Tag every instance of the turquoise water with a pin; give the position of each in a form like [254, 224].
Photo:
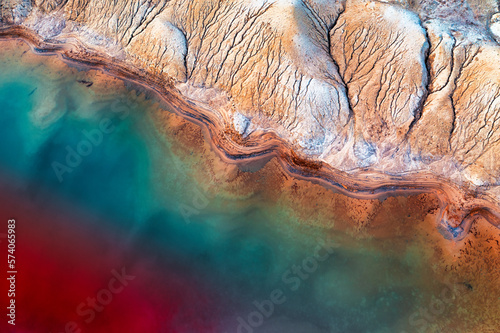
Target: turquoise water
[137, 191]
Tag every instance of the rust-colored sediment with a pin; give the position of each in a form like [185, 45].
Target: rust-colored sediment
[458, 206]
[391, 225]
[469, 268]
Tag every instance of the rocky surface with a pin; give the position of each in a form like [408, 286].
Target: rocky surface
[375, 97]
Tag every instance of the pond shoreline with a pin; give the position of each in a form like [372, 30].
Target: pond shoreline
[460, 206]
